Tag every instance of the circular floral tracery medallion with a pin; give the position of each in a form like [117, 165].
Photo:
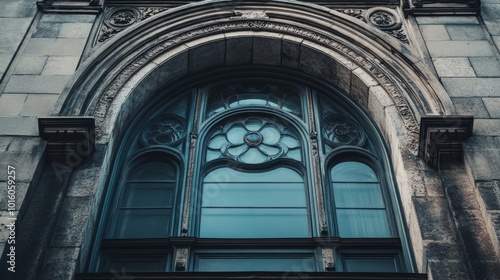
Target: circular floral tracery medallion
[253, 141]
[383, 18]
[165, 130]
[121, 17]
[339, 130]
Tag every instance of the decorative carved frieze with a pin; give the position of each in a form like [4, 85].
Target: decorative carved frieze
[117, 19]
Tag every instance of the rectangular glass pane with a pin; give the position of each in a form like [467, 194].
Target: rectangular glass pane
[223, 176]
[358, 195]
[143, 223]
[254, 195]
[135, 265]
[148, 195]
[373, 264]
[254, 223]
[257, 263]
[357, 223]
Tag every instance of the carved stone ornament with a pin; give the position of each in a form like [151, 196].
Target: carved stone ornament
[385, 80]
[117, 19]
[383, 18]
[166, 130]
[340, 130]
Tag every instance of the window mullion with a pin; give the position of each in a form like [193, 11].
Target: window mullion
[191, 164]
[315, 160]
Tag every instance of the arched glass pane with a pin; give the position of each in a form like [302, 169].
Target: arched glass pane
[153, 170]
[268, 204]
[353, 171]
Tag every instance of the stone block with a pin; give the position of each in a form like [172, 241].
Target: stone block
[486, 269]
[207, 56]
[470, 106]
[446, 270]
[493, 26]
[30, 65]
[435, 219]
[447, 20]
[56, 47]
[11, 104]
[75, 30]
[487, 127]
[475, 236]
[172, 67]
[18, 126]
[62, 18]
[19, 192]
[266, 51]
[460, 48]
[472, 87]
[360, 86]
[459, 191]
[47, 30]
[24, 162]
[490, 193]
[493, 106]
[290, 53]
[15, 25]
[239, 51]
[378, 100]
[466, 32]
[4, 62]
[434, 32]
[486, 66]
[318, 64]
[18, 8]
[83, 182]
[437, 251]
[482, 161]
[39, 104]
[72, 219]
[61, 65]
[453, 67]
[36, 84]
[9, 42]
[433, 183]
[59, 263]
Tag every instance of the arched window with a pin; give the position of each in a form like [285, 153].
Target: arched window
[253, 174]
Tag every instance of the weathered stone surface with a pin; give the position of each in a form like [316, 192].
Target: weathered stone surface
[59, 46]
[486, 127]
[47, 30]
[11, 104]
[39, 104]
[437, 251]
[60, 65]
[36, 84]
[25, 163]
[71, 221]
[173, 68]
[20, 126]
[239, 51]
[83, 182]
[466, 32]
[208, 56]
[19, 191]
[75, 30]
[475, 236]
[17, 8]
[490, 194]
[470, 106]
[67, 18]
[493, 106]
[447, 20]
[30, 65]
[482, 155]
[10, 42]
[60, 263]
[435, 219]
[486, 66]
[459, 48]
[453, 67]
[472, 87]
[434, 32]
[446, 270]
[290, 53]
[4, 62]
[267, 51]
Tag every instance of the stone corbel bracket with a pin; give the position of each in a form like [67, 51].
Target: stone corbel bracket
[442, 136]
[68, 137]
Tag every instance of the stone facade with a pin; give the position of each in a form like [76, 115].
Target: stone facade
[106, 61]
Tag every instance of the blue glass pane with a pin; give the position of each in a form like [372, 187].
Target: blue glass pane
[253, 223]
[254, 195]
[374, 264]
[135, 265]
[149, 223]
[257, 263]
[222, 176]
[148, 195]
[153, 171]
[352, 171]
[357, 195]
[357, 223]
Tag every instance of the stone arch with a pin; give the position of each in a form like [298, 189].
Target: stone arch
[375, 70]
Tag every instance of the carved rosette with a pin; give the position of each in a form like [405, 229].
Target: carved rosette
[117, 19]
[167, 130]
[383, 18]
[340, 130]
[253, 141]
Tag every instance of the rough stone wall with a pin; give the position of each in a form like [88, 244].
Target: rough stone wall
[465, 53]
